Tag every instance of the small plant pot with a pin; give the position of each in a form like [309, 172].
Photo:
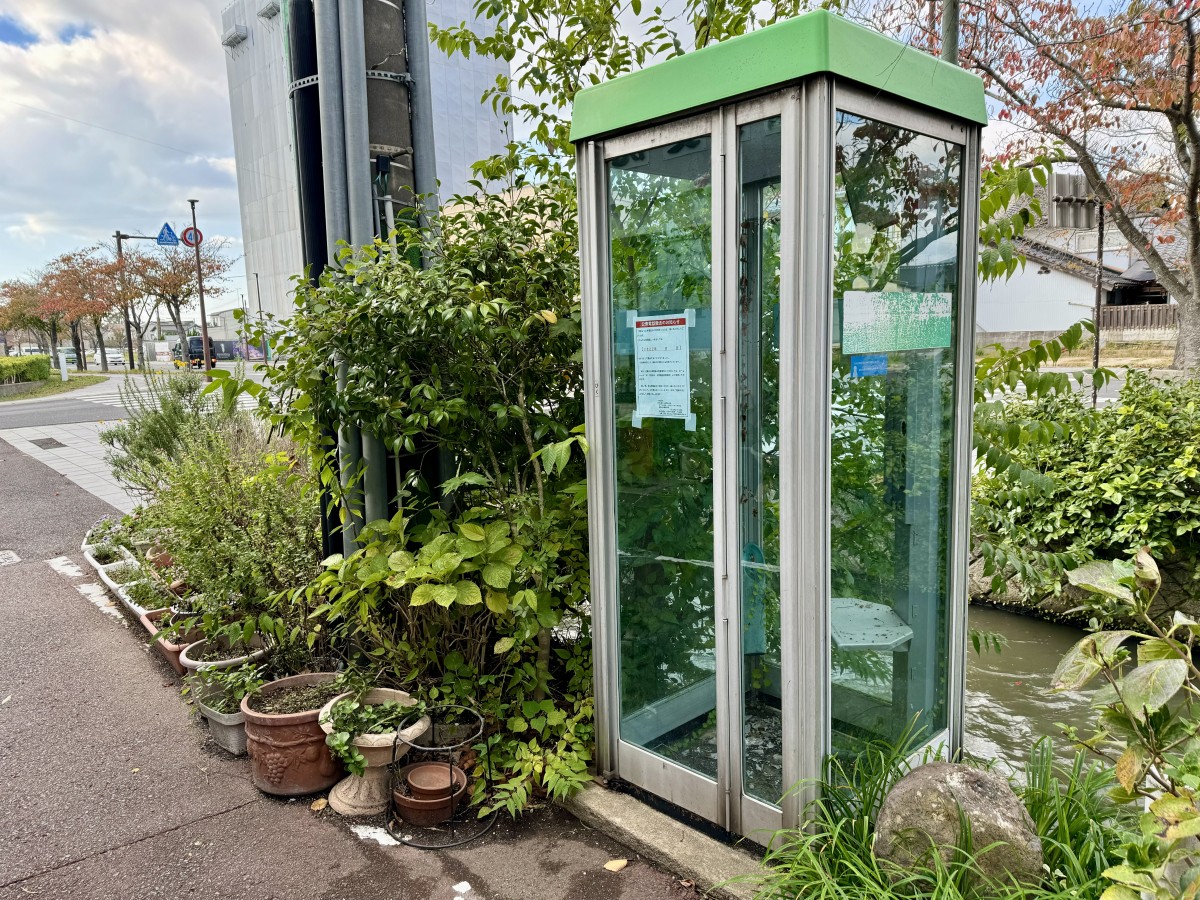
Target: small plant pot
[227, 729]
[424, 811]
[190, 660]
[170, 650]
[288, 754]
[89, 553]
[159, 557]
[367, 794]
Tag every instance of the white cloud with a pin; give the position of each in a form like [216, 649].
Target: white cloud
[113, 118]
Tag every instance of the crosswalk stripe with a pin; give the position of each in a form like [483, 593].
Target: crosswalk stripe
[114, 399]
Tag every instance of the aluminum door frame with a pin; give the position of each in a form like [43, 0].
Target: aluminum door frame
[856, 101]
[687, 789]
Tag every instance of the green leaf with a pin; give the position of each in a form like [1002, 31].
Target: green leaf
[1100, 577]
[445, 594]
[497, 575]
[1125, 875]
[401, 561]
[517, 725]
[503, 645]
[468, 593]
[445, 564]
[422, 595]
[1149, 687]
[497, 601]
[472, 532]
[1161, 648]
[1185, 829]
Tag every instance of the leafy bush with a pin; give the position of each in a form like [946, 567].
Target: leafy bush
[222, 690]
[473, 359]
[161, 414]
[16, 369]
[242, 515]
[1097, 483]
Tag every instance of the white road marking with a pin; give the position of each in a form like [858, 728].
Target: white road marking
[8, 557]
[463, 887]
[375, 833]
[98, 597]
[64, 565]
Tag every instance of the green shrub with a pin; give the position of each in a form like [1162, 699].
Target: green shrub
[242, 518]
[1102, 483]
[162, 410]
[833, 858]
[16, 369]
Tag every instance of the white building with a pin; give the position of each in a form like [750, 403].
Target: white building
[254, 33]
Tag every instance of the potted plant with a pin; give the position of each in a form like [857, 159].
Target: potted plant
[361, 731]
[143, 596]
[170, 640]
[288, 753]
[218, 694]
[222, 652]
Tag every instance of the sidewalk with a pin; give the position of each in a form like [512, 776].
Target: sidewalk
[114, 790]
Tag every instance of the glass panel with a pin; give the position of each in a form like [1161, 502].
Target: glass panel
[758, 455]
[895, 306]
[660, 226]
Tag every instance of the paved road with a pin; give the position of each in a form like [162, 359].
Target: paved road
[112, 790]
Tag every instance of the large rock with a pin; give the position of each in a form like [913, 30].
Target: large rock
[922, 812]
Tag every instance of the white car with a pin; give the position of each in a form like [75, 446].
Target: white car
[115, 356]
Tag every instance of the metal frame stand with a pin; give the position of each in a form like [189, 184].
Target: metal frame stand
[455, 739]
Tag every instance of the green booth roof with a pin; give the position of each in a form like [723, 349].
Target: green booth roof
[779, 54]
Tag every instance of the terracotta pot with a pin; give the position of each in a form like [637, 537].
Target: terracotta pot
[367, 794]
[188, 658]
[288, 754]
[159, 557]
[169, 650]
[425, 812]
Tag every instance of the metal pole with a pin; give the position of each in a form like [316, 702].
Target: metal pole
[337, 227]
[1099, 294]
[354, 117]
[258, 294]
[416, 33]
[200, 291]
[124, 298]
[950, 31]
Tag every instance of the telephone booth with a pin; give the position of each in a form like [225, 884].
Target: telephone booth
[779, 245]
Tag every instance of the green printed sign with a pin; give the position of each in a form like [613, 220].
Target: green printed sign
[887, 321]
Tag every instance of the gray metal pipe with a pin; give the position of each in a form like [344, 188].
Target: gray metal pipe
[333, 130]
[337, 227]
[354, 114]
[416, 31]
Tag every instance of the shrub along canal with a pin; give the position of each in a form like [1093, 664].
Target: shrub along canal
[1009, 701]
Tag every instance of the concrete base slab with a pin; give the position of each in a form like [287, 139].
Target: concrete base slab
[708, 863]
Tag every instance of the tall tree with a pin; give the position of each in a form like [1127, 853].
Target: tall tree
[168, 276]
[21, 310]
[84, 287]
[1113, 89]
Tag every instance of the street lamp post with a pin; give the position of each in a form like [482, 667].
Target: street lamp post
[258, 296]
[200, 291]
[121, 266]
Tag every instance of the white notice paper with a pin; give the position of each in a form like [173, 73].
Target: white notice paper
[662, 369]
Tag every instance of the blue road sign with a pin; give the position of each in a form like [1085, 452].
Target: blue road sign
[166, 237]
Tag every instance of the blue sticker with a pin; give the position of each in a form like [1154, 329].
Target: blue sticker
[872, 364]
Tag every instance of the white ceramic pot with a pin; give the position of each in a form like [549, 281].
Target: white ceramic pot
[227, 729]
[186, 658]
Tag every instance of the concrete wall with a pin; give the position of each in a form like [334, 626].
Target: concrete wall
[1031, 302]
[262, 146]
[258, 79]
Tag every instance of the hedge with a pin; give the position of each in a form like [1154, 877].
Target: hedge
[15, 369]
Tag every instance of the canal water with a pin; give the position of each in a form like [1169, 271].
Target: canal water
[1009, 701]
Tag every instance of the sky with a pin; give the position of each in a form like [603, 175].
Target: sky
[113, 113]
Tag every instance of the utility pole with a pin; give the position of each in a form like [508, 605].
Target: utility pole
[950, 31]
[121, 265]
[1099, 294]
[200, 291]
